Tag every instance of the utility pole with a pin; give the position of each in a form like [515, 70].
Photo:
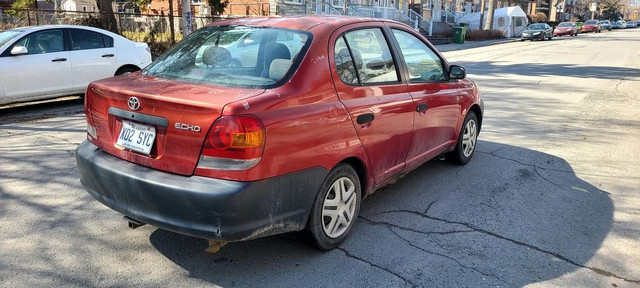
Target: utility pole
[481, 24]
[186, 18]
[492, 8]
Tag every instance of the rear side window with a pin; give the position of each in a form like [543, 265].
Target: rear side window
[84, 39]
[344, 63]
[108, 41]
[370, 58]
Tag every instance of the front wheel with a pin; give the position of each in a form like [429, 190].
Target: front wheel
[335, 209]
[466, 141]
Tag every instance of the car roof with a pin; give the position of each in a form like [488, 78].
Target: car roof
[302, 22]
[44, 27]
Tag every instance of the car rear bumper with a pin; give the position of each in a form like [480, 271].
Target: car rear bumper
[199, 206]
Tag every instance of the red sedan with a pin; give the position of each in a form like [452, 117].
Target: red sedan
[254, 127]
[566, 28]
[591, 26]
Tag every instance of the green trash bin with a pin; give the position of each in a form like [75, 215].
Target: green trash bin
[458, 34]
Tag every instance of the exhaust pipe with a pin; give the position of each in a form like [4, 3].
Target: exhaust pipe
[133, 223]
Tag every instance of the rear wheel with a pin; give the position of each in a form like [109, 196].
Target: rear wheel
[467, 139]
[335, 209]
[126, 69]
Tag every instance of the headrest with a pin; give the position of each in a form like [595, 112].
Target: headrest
[216, 56]
[279, 68]
[343, 58]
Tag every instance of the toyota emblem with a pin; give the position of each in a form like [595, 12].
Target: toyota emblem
[134, 103]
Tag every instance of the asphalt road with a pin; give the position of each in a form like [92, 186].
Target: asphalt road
[550, 199]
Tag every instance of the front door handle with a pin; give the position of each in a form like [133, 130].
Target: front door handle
[107, 55]
[364, 118]
[59, 60]
[422, 107]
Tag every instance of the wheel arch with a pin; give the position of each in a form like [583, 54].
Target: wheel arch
[475, 108]
[361, 170]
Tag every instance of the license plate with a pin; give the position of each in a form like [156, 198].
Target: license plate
[137, 137]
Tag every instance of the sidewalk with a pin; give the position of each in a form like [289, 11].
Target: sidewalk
[473, 44]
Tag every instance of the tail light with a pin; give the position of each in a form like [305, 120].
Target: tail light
[233, 143]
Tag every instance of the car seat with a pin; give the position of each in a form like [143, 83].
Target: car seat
[274, 51]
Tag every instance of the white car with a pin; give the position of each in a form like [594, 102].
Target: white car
[57, 60]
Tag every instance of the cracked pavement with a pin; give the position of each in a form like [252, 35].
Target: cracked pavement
[550, 199]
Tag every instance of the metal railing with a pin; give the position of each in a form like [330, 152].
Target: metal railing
[323, 8]
[420, 22]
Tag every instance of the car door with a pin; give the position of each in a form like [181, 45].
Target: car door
[44, 71]
[368, 83]
[436, 99]
[93, 57]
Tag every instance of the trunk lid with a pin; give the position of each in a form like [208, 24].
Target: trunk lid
[180, 113]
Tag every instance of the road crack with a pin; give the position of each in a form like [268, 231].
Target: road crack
[448, 257]
[349, 255]
[516, 242]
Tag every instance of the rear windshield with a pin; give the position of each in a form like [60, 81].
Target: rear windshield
[248, 57]
[565, 25]
[591, 22]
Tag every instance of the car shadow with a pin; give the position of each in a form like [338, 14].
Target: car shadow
[512, 216]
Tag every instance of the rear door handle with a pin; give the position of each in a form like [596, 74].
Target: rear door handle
[59, 60]
[365, 118]
[107, 55]
[422, 107]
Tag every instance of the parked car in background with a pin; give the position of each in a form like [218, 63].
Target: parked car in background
[50, 61]
[537, 31]
[591, 26]
[292, 142]
[605, 24]
[619, 25]
[566, 28]
[632, 24]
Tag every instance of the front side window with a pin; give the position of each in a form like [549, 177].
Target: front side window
[84, 39]
[370, 56]
[250, 57]
[423, 64]
[43, 42]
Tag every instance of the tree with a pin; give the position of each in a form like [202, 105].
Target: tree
[217, 6]
[492, 8]
[107, 17]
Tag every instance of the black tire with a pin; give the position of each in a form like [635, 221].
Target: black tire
[551, 37]
[126, 69]
[315, 230]
[543, 37]
[458, 155]
[235, 63]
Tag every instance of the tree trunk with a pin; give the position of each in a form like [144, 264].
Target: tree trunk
[171, 28]
[107, 16]
[482, 12]
[492, 8]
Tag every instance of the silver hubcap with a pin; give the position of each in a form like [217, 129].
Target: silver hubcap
[339, 207]
[469, 138]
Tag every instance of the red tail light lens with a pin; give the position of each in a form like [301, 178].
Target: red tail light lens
[233, 143]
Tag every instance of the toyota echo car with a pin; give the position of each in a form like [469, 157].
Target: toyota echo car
[292, 138]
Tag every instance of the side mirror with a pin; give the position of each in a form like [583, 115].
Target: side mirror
[457, 72]
[19, 50]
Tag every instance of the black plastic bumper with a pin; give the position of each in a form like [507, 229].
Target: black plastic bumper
[200, 206]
